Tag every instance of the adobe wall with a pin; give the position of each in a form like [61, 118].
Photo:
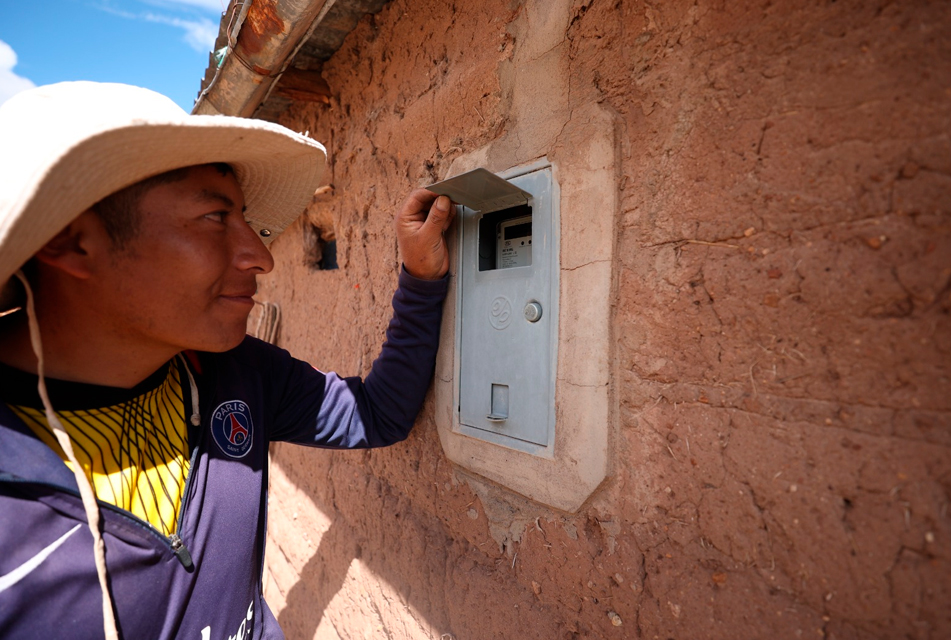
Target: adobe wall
[781, 424]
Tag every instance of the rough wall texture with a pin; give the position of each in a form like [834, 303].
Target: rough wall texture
[781, 459]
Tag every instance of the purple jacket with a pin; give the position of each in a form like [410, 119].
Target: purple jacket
[207, 585]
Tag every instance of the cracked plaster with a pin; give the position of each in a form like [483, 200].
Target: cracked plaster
[780, 466]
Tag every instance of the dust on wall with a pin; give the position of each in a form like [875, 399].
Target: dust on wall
[781, 461]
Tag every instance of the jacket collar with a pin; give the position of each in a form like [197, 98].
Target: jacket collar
[23, 456]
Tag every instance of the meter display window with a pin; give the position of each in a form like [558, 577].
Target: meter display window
[505, 239]
[514, 243]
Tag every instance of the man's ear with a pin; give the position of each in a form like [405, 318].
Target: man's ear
[75, 249]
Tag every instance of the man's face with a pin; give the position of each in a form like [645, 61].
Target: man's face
[186, 279]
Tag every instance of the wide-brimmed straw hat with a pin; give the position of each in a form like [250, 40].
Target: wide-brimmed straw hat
[64, 147]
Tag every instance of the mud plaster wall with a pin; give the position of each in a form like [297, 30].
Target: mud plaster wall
[781, 453]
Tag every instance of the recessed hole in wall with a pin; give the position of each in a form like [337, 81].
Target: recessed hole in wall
[320, 246]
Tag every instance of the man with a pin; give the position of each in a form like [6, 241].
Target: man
[131, 235]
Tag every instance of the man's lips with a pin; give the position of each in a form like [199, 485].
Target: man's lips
[244, 297]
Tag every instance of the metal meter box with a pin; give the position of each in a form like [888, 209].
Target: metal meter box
[507, 314]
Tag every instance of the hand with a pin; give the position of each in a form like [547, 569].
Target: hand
[421, 237]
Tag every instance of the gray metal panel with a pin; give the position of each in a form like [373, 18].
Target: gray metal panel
[481, 190]
[498, 345]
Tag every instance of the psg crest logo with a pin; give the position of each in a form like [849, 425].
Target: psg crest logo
[231, 428]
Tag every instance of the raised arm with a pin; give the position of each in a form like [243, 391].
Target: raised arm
[326, 410]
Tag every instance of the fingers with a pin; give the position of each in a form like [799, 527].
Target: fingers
[426, 213]
[416, 205]
[422, 221]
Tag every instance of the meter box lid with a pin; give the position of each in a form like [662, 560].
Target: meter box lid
[481, 190]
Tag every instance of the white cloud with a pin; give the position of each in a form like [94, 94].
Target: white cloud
[200, 34]
[10, 83]
[208, 5]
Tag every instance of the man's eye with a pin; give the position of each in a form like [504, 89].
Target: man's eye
[217, 216]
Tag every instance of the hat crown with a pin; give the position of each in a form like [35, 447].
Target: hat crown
[86, 101]
[45, 122]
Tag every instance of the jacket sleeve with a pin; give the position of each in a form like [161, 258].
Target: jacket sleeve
[324, 410]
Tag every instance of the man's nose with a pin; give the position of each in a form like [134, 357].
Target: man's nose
[250, 252]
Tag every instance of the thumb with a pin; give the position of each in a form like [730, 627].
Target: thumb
[439, 216]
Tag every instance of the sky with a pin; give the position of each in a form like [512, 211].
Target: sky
[159, 44]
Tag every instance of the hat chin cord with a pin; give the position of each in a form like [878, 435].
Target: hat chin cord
[85, 488]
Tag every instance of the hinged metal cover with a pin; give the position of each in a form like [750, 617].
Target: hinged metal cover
[481, 190]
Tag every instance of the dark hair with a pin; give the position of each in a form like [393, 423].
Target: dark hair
[120, 213]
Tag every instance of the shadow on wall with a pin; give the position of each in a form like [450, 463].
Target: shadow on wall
[319, 581]
[384, 561]
[378, 539]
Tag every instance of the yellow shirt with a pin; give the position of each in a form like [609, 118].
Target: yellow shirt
[135, 453]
